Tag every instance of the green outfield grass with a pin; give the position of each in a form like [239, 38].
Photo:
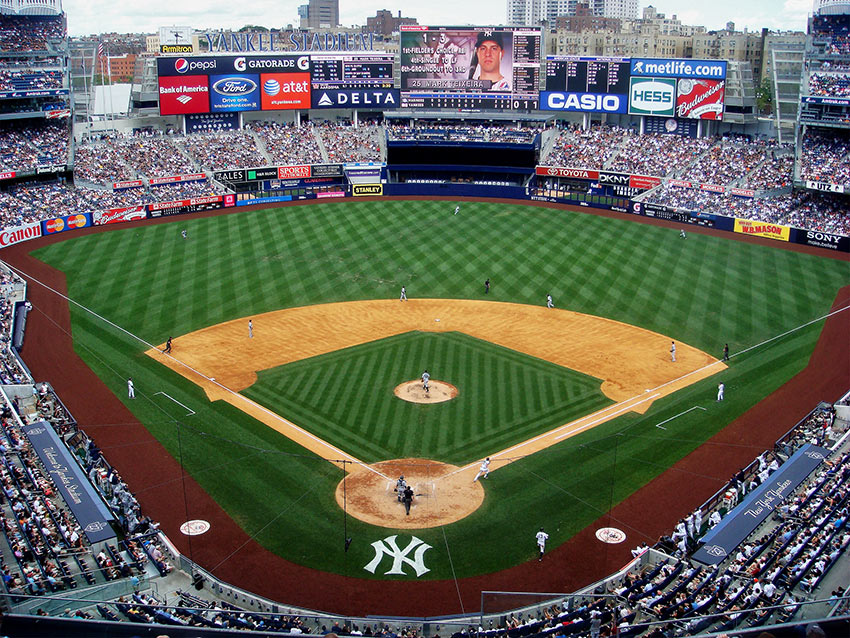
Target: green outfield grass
[505, 397]
[704, 291]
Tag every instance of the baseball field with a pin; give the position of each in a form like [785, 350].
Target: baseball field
[247, 416]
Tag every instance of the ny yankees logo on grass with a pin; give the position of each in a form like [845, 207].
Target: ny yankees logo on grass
[389, 547]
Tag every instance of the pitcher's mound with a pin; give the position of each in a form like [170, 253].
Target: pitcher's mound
[441, 494]
[438, 391]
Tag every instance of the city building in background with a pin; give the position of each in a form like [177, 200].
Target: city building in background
[319, 14]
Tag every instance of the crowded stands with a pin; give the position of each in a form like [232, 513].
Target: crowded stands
[29, 33]
[824, 157]
[288, 144]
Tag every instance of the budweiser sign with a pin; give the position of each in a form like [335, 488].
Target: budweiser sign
[115, 215]
[700, 99]
[576, 173]
[10, 236]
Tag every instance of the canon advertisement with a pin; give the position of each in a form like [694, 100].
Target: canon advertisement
[229, 84]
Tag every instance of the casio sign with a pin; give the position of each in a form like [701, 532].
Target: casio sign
[651, 96]
[589, 102]
[234, 86]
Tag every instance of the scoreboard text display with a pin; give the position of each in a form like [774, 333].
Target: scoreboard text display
[221, 84]
[685, 89]
[595, 85]
[353, 80]
[494, 68]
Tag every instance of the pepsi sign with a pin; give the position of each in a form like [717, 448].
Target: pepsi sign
[583, 102]
[234, 93]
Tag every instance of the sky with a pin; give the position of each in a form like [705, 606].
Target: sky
[87, 17]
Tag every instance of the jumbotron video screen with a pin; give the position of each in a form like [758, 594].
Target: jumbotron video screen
[470, 68]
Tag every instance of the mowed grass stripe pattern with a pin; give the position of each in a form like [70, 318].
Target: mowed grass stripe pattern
[347, 397]
[704, 290]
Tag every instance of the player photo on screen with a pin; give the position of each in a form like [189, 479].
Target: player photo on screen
[457, 60]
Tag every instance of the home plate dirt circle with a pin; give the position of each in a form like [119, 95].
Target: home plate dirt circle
[438, 391]
[442, 494]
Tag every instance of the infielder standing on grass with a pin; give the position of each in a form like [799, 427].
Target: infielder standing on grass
[721, 388]
[457, 209]
[549, 302]
[673, 351]
[403, 296]
[542, 537]
[484, 469]
[131, 389]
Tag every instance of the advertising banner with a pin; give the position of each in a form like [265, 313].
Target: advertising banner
[835, 101]
[713, 188]
[228, 200]
[180, 206]
[575, 173]
[290, 172]
[762, 229]
[130, 183]
[184, 94]
[362, 190]
[227, 64]
[825, 187]
[644, 182]
[330, 194]
[680, 183]
[204, 122]
[652, 96]
[234, 176]
[583, 102]
[742, 192]
[700, 99]
[173, 179]
[676, 68]
[7, 174]
[326, 170]
[69, 222]
[116, 215]
[10, 236]
[821, 239]
[365, 98]
[282, 91]
[234, 93]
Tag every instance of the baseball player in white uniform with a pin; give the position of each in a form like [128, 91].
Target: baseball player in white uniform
[721, 388]
[457, 209]
[426, 376]
[403, 296]
[250, 328]
[549, 302]
[484, 469]
[131, 389]
[400, 484]
[542, 537]
[673, 351]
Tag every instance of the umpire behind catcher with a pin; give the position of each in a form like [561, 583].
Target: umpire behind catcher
[407, 499]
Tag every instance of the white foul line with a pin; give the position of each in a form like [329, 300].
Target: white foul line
[191, 411]
[696, 407]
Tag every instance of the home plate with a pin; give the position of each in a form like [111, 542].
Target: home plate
[436, 319]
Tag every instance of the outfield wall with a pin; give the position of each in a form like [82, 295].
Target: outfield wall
[769, 230]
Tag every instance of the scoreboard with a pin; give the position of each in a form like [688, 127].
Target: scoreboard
[351, 71]
[470, 68]
[588, 75]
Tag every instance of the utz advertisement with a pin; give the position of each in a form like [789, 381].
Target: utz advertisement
[762, 229]
[234, 93]
[700, 99]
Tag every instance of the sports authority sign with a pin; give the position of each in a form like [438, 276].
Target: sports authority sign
[700, 99]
